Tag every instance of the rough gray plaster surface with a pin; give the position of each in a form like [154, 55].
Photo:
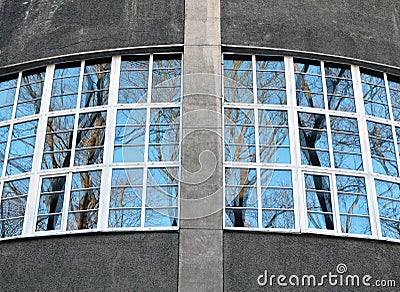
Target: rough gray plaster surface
[367, 30]
[247, 255]
[136, 261]
[34, 29]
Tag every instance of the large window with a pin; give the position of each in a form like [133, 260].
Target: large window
[310, 146]
[91, 145]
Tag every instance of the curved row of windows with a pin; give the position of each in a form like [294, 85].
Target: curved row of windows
[91, 145]
[311, 146]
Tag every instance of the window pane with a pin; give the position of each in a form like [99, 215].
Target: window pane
[166, 85]
[375, 100]
[65, 87]
[238, 81]
[382, 148]
[309, 84]
[90, 138]
[130, 135]
[22, 147]
[389, 207]
[394, 91]
[319, 204]
[346, 143]
[8, 87]
[13, 202]
[51, 204]
[96, 81]
[241, 192]
[313, 139]
[30, 93]
[58, 143]
[164, 134]
[126, 198]
[274, 136]
[84, 200]
[339, 86]
[271, 81]
[133, 82]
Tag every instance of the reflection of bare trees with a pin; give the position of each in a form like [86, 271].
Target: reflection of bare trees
[89, 142]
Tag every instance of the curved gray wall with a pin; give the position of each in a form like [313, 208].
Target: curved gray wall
[247, 255]
[39, 29]
[367, 30]
[135, 261]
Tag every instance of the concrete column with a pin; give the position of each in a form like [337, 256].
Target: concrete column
[200, 244]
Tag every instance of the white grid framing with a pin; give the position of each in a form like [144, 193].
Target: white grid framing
[37, 174]
[298, 169]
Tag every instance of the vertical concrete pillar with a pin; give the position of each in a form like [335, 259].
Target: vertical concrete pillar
[200, 244]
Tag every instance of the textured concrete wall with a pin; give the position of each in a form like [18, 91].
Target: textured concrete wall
[368, 30]
[94, 262]
[247, 255]
[34, 29]
[200, 239]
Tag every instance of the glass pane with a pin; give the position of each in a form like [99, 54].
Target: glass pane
[30, 93]
[51, 202]
[22, 147]
[319, 203]
[133, 80]
[313, 137]
[13, 202]
[124, 218]
[161, 217]
[271, 82]
[390, 229]
[8, 87]
[85, 195]
[346, 143]
[58, 142]
[339, 86]
[166, 79]
[96, 81]
[238, 81]
[90, 138]
[382, 148]
[394, 91]
[240, 176]
[309, 84]
[241, 218]
[375, 100]
[278, 219]
[240, 196]
[65, 87]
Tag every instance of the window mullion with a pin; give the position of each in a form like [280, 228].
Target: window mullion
[34, 183]
[105, 190]
[295, 152]
[366, 153]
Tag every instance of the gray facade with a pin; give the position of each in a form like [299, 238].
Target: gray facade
[201, 255]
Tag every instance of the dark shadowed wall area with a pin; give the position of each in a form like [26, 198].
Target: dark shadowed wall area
[248, 255]
[367, 30]
[31, 30]
[95, 262]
